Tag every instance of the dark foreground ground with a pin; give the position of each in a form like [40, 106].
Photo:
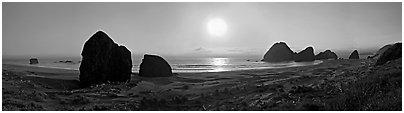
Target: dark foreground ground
[332, 85]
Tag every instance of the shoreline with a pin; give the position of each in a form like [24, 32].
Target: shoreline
[136, 72]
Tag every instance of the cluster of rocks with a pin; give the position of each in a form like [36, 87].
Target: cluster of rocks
[105, 61]
[67, 61]
[280, 52]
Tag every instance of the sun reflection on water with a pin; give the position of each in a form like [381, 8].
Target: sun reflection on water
[219, 64]
[220, 61]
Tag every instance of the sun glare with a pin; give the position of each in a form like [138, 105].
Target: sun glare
[217, 27]
[220, 61]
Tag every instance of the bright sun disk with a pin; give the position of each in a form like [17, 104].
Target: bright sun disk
[217, 27]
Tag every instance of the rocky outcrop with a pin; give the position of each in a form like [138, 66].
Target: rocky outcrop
[154, 66]
[391, 53]
[103, 60]
[327, 54]
[279, 52]
[305, 55]
[380, 52]
[33, 61]
[354, 55]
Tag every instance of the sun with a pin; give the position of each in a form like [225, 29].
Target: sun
[217, 27]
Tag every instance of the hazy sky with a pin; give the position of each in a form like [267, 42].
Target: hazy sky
[181, 28]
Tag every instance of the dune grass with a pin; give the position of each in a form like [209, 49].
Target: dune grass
[380, 90]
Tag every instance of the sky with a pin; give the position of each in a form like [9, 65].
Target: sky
[181, 29]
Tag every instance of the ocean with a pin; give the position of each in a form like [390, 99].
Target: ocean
[178, 65]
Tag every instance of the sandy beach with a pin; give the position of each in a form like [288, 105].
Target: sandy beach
[294, 88]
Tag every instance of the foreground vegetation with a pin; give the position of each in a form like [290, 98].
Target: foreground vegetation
[379, 90]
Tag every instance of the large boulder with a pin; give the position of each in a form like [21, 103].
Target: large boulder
[154, 66]
[279, 52]
[33, 61]
[305, 55]
[327, 54]
[354, 55]
[103, 60]
[391, 53]
[380, 52]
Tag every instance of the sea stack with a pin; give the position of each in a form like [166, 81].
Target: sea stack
[327, 54]
[154, 66]
[103, 60]
[305, 55]
[354, 55]
[33, 61]
[391, 53]
[279, 52]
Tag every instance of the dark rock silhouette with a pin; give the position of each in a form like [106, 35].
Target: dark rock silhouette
[305, 55]
[33, 61]
[391, 53]
[154, 66]
[380, 51]
[354, 55]
[103, 60]
[65, 61]
[279, 52]
[327, 54]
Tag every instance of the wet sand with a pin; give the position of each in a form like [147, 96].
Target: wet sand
[36, 88]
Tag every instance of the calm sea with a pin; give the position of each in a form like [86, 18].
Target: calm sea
[179, 65]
